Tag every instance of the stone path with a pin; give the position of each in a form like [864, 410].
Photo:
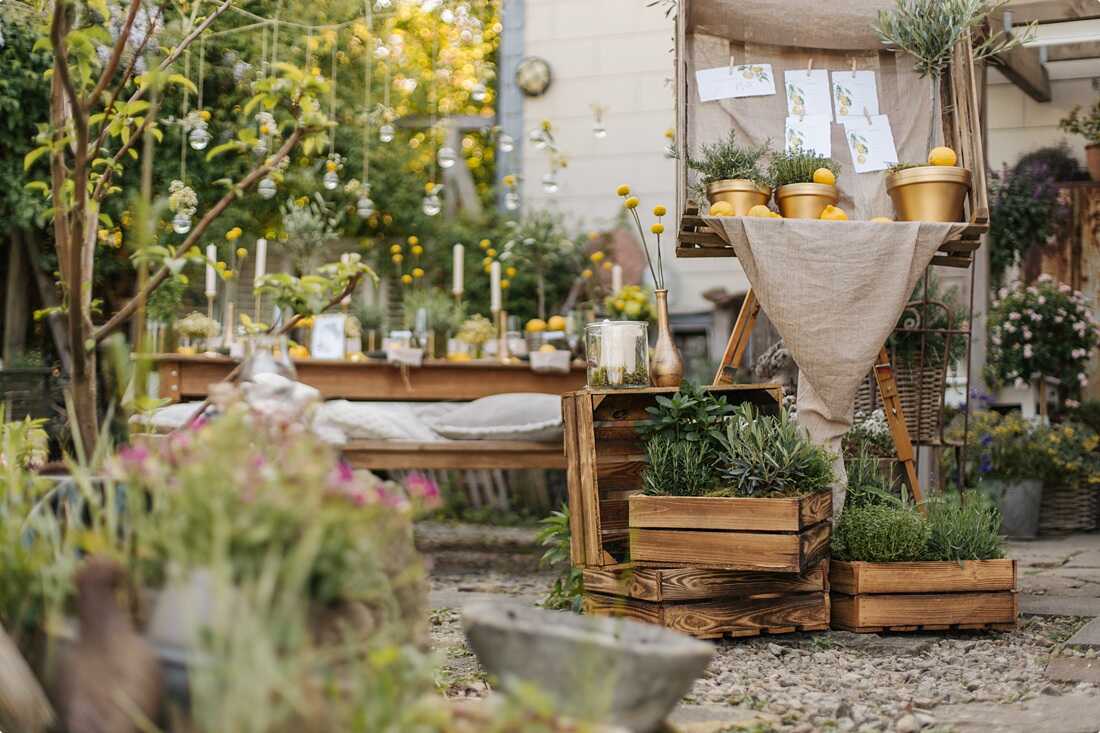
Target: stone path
[1044, 677]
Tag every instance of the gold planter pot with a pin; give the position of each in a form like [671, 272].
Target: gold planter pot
[740, 193]
[929, 192]
[805, 200]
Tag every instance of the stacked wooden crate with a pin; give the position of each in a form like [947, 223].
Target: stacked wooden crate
[709, 567]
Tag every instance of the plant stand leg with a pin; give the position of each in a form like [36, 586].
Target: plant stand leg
[739, 339]
[895, 418]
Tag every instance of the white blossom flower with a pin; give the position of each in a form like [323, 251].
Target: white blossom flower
[1028, 353]
[1014, 316]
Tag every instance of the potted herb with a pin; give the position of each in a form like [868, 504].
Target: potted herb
[805, 183]
[753, 494]
[431, 315]
[1086, 125]
[730, 173]
[933, 192]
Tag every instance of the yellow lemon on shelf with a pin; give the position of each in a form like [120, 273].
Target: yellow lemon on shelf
[883, 220]
[721, 208]
[775, 215]
[555, 323]
[834, 213]
[547, 348]
[760, 210]
[942, 156]
[299, 352]
[459, 356]
[186, 350]
[536, 325]
[825, 177]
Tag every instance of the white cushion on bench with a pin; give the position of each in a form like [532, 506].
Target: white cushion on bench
[515, 416]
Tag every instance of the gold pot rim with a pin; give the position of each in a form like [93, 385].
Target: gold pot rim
[928, 174]
[745, 185]
[807, 189]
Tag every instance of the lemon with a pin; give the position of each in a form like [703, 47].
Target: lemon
[547, 349]
[760, 210]
[942, 156]
[775, 215]
[825, 176]
[536, 325]
[833, 213]
[883, 220]
[299, 352]
[186, 350]
[555, 323]
[721, 208]
[459, 356]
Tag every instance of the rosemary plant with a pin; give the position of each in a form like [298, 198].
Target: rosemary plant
[727, 160]
[798, 166]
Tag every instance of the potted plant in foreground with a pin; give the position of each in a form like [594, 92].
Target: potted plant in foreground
[731, 177]
[1086, 125]
[805, 183]
[933, 192]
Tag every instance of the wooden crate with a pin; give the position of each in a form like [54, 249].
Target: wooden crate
[605, 457]
[712, 603]
[928, 596]
[784, 535]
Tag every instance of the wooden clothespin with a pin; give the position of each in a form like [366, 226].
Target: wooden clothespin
[853, 66]
[809, 66]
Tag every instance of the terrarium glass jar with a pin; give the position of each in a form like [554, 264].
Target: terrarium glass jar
[617, 354]
[267, 355]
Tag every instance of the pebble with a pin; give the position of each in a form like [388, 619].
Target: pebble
[907, 724]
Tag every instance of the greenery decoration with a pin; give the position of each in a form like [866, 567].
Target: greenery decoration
[1041, 330]
[880, 533]
[797, 166]
[692, 414]
[554, 535]
[726, 159]
[898, 167]
[476, 331]
[310, 294]
[1025, 208]
[963, 527]
[678, 467]
[1085, 124]
[867, 485]
[443, 313]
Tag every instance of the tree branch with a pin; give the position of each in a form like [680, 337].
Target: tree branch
[116, 55]
[125, 312]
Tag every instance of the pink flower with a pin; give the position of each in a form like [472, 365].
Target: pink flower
[1041, 300]
[1013, 316]
[1027, 351]
[1063, 288]
[1072, 403]
[1082, 379]
[423, 488]
[1044, 278]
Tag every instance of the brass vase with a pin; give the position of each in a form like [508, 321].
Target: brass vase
[929, 192]
[667, 366]
[805, 200]
[740, 193]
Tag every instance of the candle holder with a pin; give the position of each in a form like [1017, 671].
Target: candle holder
[617, 353]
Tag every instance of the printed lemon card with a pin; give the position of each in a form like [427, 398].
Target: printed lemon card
[871, 143]
[807, 92]
[725, 82]
[854, 94]
[810, 133]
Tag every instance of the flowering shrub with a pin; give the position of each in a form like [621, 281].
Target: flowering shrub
[871, 432]
[1042, 330]
[1071, 451]
[1000, 447]
[631, 303]
[1025, 206]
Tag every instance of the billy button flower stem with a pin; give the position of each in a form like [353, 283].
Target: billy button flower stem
[631, 204]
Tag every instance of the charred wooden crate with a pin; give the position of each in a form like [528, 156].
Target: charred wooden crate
[781, 535]
[928, 596]
[606, 456]
[712, 603]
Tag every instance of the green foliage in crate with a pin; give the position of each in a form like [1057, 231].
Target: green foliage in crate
[687, 465]
[880, 533]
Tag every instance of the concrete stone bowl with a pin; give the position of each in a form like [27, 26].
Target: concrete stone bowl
[615, 672]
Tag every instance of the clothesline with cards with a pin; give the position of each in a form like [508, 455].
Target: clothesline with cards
[816, 98]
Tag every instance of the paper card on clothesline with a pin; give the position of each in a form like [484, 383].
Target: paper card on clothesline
[807, 92]
[871, 143]
[725, 82]
[854, 94]
[812, 133]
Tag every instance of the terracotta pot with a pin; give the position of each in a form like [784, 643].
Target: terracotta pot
[1092, 155]
[667, 366]
[805, 200]
[740, 193]
[929, 192]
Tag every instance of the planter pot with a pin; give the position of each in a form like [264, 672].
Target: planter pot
[869, 597]
[740, 193]
[1068, 508]
[1092, 157]
[805, 200]
[929, 192]
[1018, 501]
[611, 671]
[781, 535]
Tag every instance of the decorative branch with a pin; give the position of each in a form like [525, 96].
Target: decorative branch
[116, 55]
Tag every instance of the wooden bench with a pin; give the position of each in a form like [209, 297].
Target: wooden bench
[453, 454]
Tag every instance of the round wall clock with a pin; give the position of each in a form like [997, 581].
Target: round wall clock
[533, 76]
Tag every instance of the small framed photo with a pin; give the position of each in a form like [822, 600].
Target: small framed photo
[327, 339]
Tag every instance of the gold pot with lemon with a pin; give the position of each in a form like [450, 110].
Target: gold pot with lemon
[740, 193]
[933, 192]
[808, 200]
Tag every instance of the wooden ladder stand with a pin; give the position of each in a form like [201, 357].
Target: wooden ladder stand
[884, 377]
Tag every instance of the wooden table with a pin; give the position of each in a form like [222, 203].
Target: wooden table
[188, 377]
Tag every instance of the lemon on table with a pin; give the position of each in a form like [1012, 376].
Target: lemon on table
[775, 215]
[883, 220]
[555, 323]
[834, 213]
[721, 208]
[186, 350]
[536, 325]
[761, 211]
[942, 156]
[825, 177]
[547, 348]
[299, 352]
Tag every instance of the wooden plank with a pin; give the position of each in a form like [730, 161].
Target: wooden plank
[630, 582]
[770, 612]
[720, 513]
[928, 610]
[695, 584]
[1022, 67]
[169, 380]
[573, 480]
[456, 454]
[923, 577]
[613, 514]
[619, 451]
[768, 552]
[815, 508]
[620, 476]
[586, 449]
[616, 607]
[815, 543]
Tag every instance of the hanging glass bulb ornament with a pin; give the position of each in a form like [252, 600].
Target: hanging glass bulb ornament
[507, 144]
[386, 132]
[381, 52]
[446, 157]
[431, 205]
[447, 16]
[199, 137]
[478, 92]
[511, 200]
[364, 207]
[181, 223]
[266, 187]
[599, 130]
[550, 183]
[382, 4]
[260, 148]
[538, 137]
[331, 180]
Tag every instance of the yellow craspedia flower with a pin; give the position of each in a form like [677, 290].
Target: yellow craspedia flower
[491, 252]
[608, 265]
[417, 249]
[395, 249]
[397, 259]
[103, 234]
[670, 133]
[229, 274]
[487, 268]
[116, 238]
[204, 115]
[127, 218]
[510, 271]
[597, 256]
[219, 266]
[387, 219]
[418, 272]
[659, 210]
[270, 234]
[509, 181]
[546, 125]
[429, 187]
[631, 203]
[623, 190]
[657, 228]
[316, 70]
[505, 284]
[406, 279]
[242, 252]
[586, 273]
[330, 166]
[486, 262]
[234, 233]
[484, 244]
[302, 200]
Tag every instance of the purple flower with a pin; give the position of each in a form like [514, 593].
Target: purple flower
[986, 463]
[986, 439]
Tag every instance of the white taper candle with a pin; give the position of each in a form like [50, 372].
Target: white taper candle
[211, 273]
[459, 255]
[616, 278]
[494, 290]
[261, 259]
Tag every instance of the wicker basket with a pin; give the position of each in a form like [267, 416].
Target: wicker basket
[921, 390]
[1068, 508]
[28, 392]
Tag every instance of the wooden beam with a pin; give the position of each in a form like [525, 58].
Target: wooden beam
[1021, 66]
